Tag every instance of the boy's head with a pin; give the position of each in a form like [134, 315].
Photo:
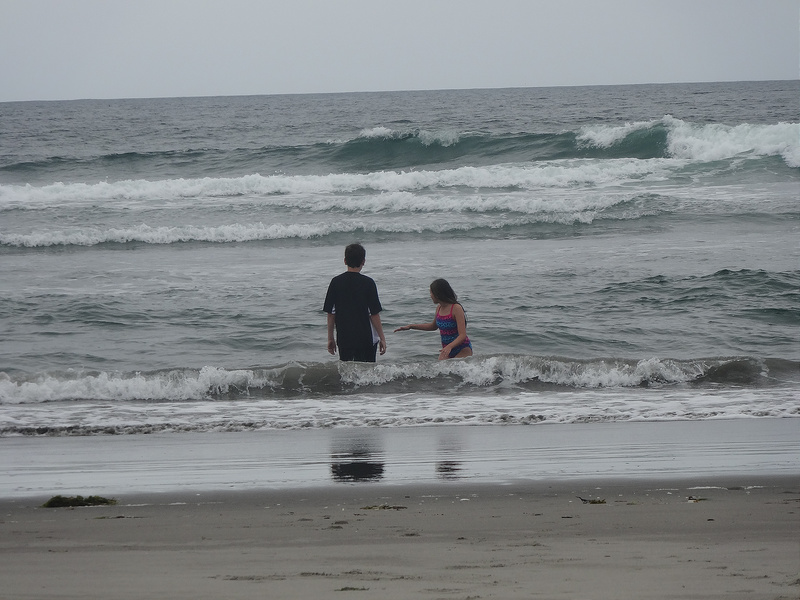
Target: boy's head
[354, 256]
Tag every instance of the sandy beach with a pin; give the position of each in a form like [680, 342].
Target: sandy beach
[694, 510]
[700, 539]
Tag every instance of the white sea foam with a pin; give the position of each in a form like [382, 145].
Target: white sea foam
[405, 202]
[443, 138]
[717, 142]
[377, 132]
[605, 136]
[178, 193]
[397, 410]
[707, 142]
[326, 215]
[426, 137]
[170, 235]
[520, 369]
[188, 384]
[523, 389]
[237, 233]
[116, 387]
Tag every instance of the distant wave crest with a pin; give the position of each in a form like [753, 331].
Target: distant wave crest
[368, 214]
[386, 148]
[171, 235]
[426, 137]
[494, 177]
[706, 142]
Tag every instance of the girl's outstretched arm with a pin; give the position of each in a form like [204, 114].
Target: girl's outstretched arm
[420, 326]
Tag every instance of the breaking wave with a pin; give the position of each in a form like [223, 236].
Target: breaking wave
[523, 390]
[383, 148]
[334, 378]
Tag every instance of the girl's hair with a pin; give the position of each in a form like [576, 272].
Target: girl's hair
[442, 291]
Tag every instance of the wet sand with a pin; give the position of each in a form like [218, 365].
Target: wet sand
[735, 537]
[676, 510]
[285, 459]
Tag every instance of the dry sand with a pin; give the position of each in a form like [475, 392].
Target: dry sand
[736, 537]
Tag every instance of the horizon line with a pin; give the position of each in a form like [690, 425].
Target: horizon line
[393, 91]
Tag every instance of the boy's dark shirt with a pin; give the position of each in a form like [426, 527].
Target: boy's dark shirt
[352, 298]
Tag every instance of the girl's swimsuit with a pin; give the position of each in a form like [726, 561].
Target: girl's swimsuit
[449, 329]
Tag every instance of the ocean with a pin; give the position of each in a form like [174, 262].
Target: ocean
[623, 253]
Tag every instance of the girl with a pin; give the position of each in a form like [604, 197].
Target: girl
[450, 320]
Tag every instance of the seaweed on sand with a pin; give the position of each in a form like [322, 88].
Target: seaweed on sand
[71, 501]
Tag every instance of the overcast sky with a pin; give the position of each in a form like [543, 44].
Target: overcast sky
[66, 49]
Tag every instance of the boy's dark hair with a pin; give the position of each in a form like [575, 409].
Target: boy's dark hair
[354, 255]
[442, 291]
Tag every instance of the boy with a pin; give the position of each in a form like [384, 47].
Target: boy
[353, 309]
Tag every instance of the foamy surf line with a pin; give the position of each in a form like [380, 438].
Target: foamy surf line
[334, 378]
[390, 411]
[238, 233]
[304, 191]
[418, 455]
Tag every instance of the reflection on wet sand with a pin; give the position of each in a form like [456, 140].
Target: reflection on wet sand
[448, 469]
[448, 451]
[356, 471]
[356, 459]
[360, 458]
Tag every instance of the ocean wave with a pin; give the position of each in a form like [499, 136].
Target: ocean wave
[296, 380]
[666, 137]
[232, 233]
[554, 372]
[382, 214]
[185, 192]
[178, 384]
[601, 155]
[700, 142]
[389, 149]
[368, 411]
[261, 232]
[502, 389]
[426, 137]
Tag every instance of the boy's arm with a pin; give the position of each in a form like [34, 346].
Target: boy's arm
[331, 337]
[376, 323]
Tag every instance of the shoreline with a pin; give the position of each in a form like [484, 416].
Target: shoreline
[704, 538]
